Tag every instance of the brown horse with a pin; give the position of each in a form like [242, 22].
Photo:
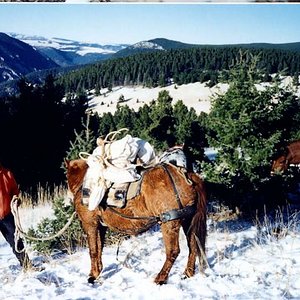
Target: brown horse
[167, 197]
[286, 156]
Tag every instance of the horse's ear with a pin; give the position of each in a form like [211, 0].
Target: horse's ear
[67, 162]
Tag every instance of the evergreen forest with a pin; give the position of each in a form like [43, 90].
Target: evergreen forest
[180, 66]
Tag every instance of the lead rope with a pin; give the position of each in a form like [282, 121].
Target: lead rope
[19, 232]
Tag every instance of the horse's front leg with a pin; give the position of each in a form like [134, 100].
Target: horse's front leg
[95, 238]
[170, 232]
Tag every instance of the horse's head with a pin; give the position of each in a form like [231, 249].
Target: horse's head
[76, 170]
[280, 161]
[279, 165]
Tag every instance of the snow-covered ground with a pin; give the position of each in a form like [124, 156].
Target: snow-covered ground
[196, 95]
[244, 263]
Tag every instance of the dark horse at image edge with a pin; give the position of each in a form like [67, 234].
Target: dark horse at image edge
[286, 156]
[164, 192]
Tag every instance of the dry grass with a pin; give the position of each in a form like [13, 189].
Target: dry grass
[45, 195]
[277, 227]
[222, 213]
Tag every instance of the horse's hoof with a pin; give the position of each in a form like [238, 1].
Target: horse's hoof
[160, 281]
[187, 274]
[91, 279]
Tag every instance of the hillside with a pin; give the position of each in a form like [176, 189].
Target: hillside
[161, 44]
[194, 95]
[18, 59]
[179, 66]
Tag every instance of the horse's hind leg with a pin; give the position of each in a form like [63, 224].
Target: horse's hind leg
[191, 242]
[170, 232]
[195, 231]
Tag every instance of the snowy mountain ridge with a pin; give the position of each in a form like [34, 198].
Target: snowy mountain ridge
[18, 59]
[81, 48]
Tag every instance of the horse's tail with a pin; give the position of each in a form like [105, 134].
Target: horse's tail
[198, 225]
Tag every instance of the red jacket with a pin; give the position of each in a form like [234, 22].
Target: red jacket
[8, 188]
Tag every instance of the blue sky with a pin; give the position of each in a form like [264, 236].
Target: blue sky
[130, 23]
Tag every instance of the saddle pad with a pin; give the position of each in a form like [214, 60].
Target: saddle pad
[134, 189]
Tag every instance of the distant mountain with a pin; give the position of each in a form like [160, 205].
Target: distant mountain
[69, 52]
[161, 44]
[18, 59]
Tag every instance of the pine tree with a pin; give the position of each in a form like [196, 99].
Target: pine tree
[85, 141]
[246, 125]
[72, 238]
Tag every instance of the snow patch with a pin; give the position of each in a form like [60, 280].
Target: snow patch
[148, 45]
